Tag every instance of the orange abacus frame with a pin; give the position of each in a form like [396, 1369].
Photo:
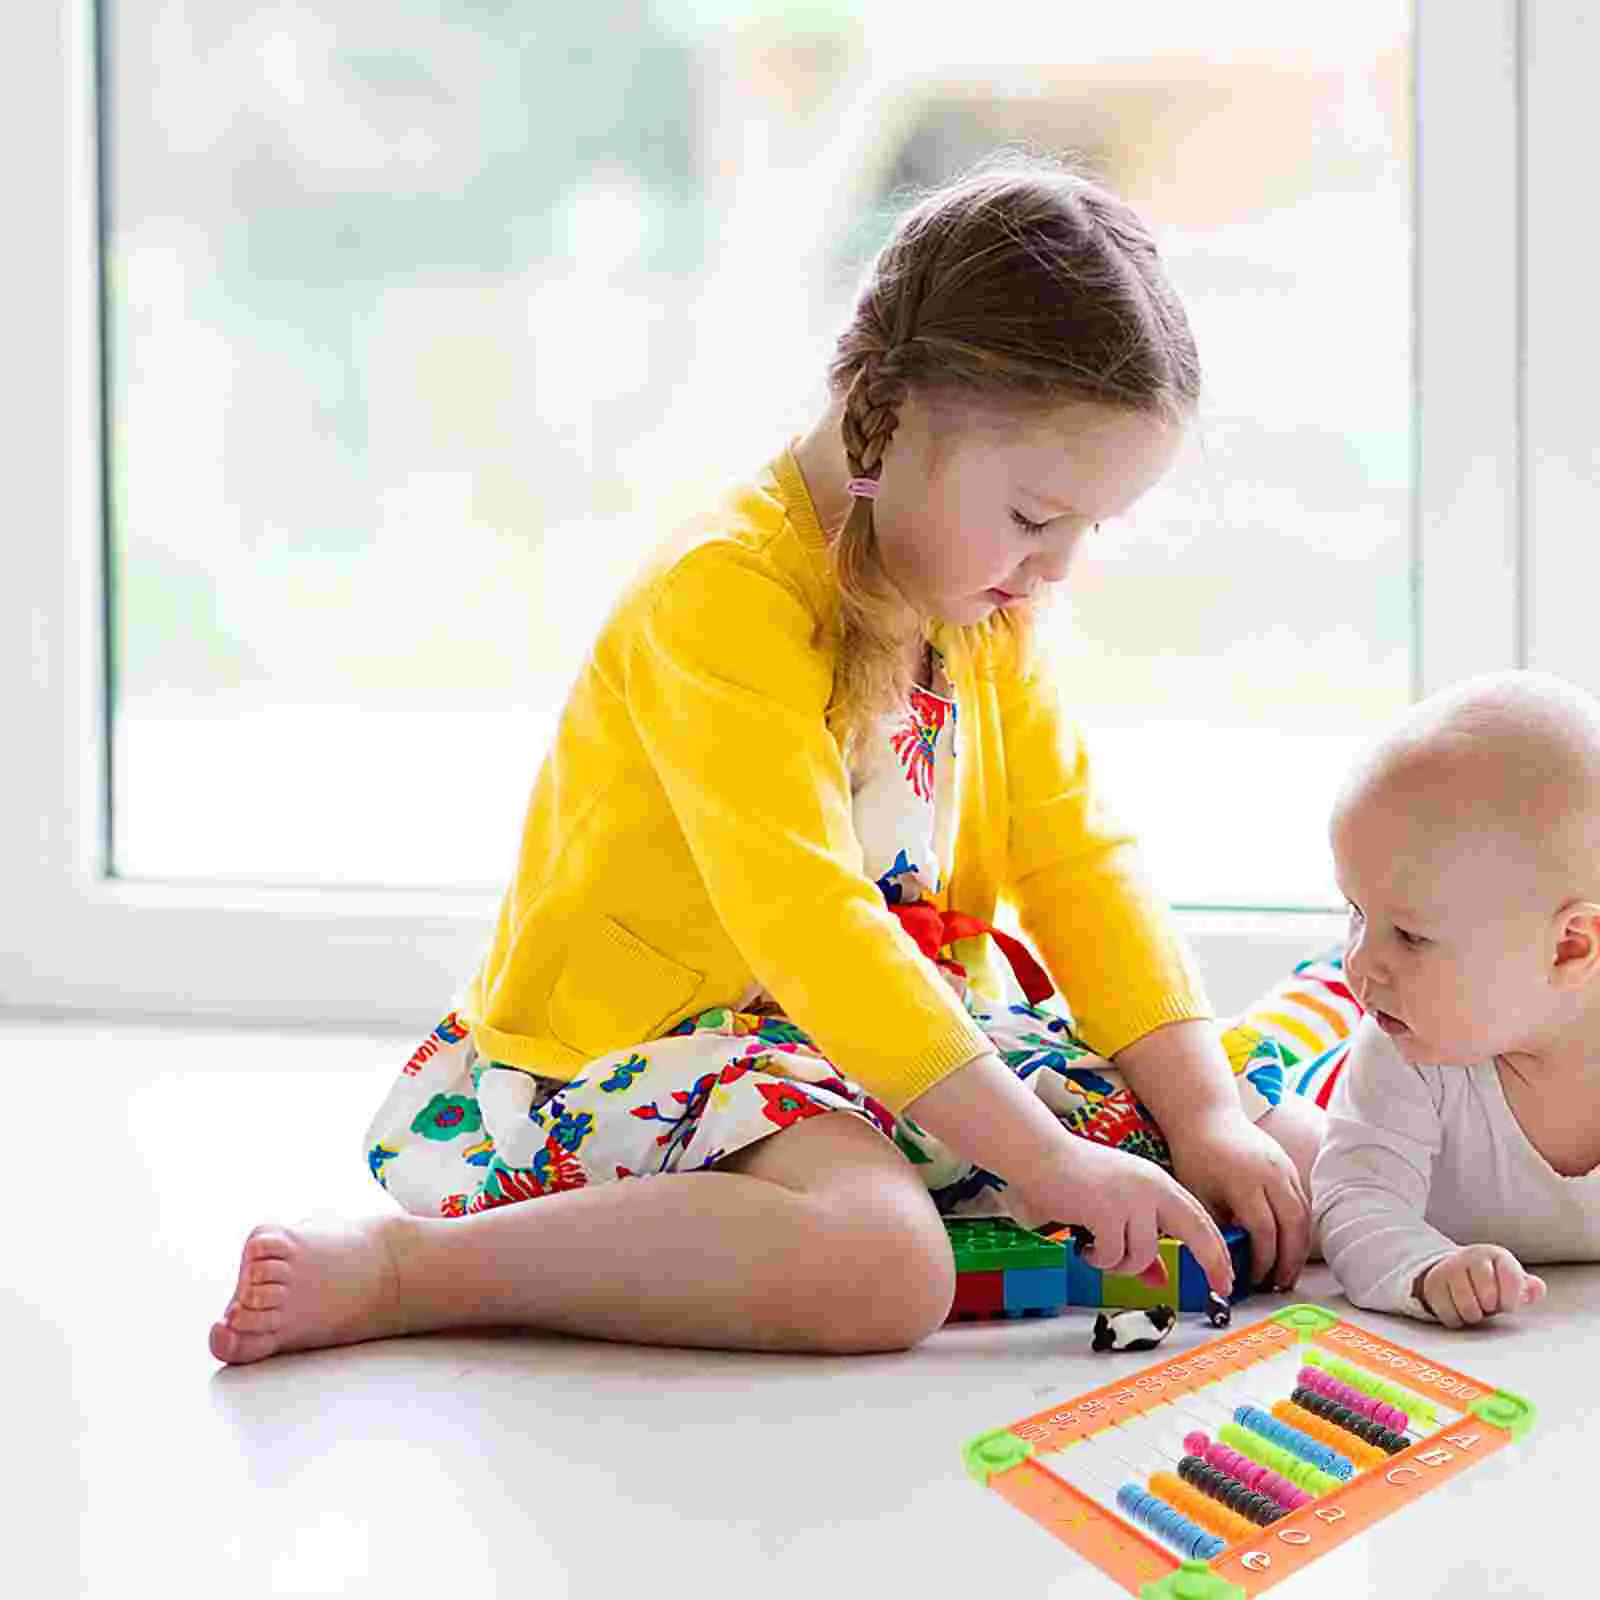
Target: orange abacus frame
[1008, 1460]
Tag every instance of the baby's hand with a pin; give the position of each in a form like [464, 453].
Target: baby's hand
[1478, 1281]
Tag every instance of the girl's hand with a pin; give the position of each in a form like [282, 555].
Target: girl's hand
[1128, 1204]
[1478, 1281]
[1246, 1176]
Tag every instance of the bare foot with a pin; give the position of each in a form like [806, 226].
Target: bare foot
[301, 1288]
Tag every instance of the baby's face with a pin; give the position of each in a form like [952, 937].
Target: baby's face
[1447, 935]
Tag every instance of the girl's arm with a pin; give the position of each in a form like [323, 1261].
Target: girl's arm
[984, 1112]
[1115, 952]
[1182, 1074]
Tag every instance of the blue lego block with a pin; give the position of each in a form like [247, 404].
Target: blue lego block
[1238, 1242]
[1085, 1284]
[1035, 1289]
[1192, 1286]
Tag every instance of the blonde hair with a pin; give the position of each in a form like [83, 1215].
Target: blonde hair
[1021, 286]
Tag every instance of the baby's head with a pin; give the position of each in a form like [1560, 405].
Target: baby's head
[1467, 842]
[1017, 369]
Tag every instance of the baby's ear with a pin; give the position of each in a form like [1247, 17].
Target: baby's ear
[1577, 944]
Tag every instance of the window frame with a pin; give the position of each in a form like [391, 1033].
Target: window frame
[1498, 434]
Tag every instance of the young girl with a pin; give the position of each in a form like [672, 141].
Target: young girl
[746, 953]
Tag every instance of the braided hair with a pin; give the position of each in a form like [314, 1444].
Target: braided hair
[1023, 286]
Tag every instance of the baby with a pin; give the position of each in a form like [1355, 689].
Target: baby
[1463, 1137]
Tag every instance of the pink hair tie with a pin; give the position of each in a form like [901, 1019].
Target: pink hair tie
[863, 488]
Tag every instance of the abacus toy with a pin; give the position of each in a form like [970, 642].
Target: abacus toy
[1215, 1475]
[1005, 1270]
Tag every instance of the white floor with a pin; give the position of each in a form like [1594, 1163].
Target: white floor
[542, 1467]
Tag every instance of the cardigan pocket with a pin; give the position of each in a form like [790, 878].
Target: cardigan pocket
[615, 991]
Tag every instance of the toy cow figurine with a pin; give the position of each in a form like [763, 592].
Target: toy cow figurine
[1134, 1330]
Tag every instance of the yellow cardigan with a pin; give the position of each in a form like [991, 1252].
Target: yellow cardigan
[689, 835]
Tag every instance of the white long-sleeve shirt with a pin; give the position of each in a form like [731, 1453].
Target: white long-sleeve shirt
[1420, 1160]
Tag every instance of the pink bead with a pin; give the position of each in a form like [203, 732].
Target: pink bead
[1254, 1476]
[1365, 1404]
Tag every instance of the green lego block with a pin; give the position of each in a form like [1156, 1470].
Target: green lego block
[997, 1244]
[1306, 1320]
[996, 1451]
[1194, 1580]
[1505, 1410]
[1133, 1294]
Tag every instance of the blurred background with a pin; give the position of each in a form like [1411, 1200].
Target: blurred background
[424, 322]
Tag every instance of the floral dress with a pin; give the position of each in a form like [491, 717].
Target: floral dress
[458, 1134]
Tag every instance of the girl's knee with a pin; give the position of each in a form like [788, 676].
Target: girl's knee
[901, 1285]
[876, 1272]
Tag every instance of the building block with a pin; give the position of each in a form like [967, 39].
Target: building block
[1192, 1283]
[1192, 1286]
[1133, 1294]
[1186, 1288]
[1051, 1274]
[997, 1244]
[978, 1294]
[1085, 1284]
[1040, 1290]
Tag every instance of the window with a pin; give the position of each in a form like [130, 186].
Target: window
[423, 323]
[420, 324]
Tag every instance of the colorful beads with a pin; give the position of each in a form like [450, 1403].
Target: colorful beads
[1325, 1384]
[1299, 1472]
[1263, 1480]
[1274, 1456]
[1361, 1454]
[1183, 1535]
[1373, 1433]
[1210, 1514]
[1292, 1439]
[1419, 1410]
[1259, 1508]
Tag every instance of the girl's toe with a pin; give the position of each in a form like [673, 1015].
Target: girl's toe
[248, 1321]
[235, 1349]
[264, 1296]
[268, 1269]
[266, 1244]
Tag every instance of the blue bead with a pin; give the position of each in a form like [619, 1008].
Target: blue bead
[1292, 1439]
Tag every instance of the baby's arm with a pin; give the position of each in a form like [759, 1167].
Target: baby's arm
[1369, 1184]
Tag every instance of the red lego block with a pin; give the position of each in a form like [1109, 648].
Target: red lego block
[978, 1295]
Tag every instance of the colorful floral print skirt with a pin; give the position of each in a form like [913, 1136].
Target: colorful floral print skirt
[459, 1134]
